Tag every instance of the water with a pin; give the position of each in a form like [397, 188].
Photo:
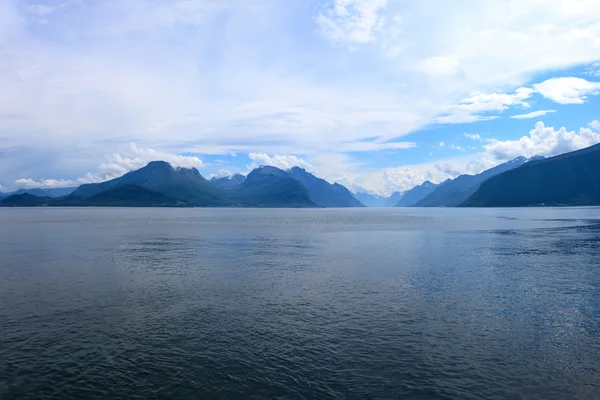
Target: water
[233, 303]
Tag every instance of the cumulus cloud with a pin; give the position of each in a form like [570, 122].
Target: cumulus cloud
[133, 158]
[533, 114]
[568, 90]
[222, 173]
[595, 125]
[543, 141]
[280, 161]
[351, 21]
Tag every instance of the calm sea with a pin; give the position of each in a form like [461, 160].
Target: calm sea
[300, 304]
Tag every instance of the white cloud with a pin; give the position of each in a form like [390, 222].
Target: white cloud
[455, 147]
[472, 108]
[223, 173]
[351, 21]
[593, 70]
[48, 183]
[473, 136]
[595, 125]
[533, 114]
[567, 90]
[543, 141]
[284, 162]
[2, 188]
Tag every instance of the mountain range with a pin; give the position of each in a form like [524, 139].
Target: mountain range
[159, 184]
[454, 192]
[54, 192]
[416, 194]
[570, 179]
[371, 200]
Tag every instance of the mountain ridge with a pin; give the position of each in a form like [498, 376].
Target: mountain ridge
[454, 192]
[569, 179]
[416, 194]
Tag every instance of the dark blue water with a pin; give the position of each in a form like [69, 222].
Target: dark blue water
[300, 304]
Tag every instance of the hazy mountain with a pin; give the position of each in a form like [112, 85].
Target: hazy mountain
[571, 179]
[160, 184]
[270, 187]
[52, 192]
[416, 194]
[394, 199]
[228, 182]
[322, 192]
[26, 200]
[177, 183]
[371, 200]
[453, 192]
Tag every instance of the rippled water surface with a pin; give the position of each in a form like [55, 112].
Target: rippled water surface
[300, 304]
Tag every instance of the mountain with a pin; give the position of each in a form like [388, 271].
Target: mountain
[158, 176]
[453, 192]
[370, 200]
[26, 200]
[571, 179]
[270, 187]
[393, 199]
[416, 194]
[322, 192]
[52, 192]
[228, 182]
[131, 196]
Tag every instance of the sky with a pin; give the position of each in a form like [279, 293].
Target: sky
[379, 95]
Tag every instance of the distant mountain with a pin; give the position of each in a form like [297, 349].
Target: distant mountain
[270, 187]
[371, 200]
[416, 194]
[26, 200]
[571, 179]
[322, 192]
[453, 192]
[160, 184]
[394, 199]
[177, 183]
[228, 182]
[52, 192]
[120, 196]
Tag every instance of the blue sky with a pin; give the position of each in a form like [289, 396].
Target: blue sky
[379, 95]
